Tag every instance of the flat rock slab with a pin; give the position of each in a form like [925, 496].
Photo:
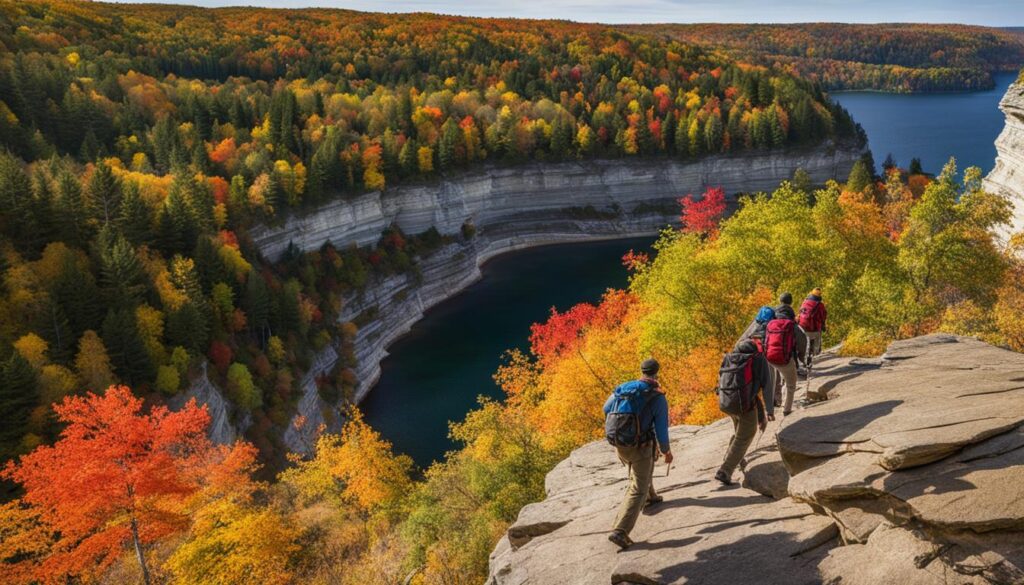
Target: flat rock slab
[702, 533]
[931, 397]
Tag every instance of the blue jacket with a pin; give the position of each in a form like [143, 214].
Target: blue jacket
[658, 409]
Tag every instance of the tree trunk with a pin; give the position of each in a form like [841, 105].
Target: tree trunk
[138, 552]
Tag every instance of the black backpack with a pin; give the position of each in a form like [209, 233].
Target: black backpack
[629, 421]
[736, 391]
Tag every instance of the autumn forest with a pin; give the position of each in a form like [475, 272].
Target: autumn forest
[141, 144]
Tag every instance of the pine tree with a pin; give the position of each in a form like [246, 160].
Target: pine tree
[257, 306]
[125, 348]
[78, 296]
[121, 277]
[104, 193]
[17, 398]
[859, 177]
[407, 158]
[134, 217]
[70, 211]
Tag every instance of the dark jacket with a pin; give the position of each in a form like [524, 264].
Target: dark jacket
[785, 312]
[762, 379]
[658, 411]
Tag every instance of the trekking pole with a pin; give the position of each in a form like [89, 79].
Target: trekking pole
[668, 468]
[810, 367]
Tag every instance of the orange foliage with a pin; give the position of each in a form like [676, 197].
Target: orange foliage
[116, 472]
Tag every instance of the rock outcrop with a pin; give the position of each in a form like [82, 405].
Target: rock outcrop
[510, 208]
[911, 473]
[226, 423]
[1007, 177]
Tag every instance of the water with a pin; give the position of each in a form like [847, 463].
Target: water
[931, 127]
[435, 373]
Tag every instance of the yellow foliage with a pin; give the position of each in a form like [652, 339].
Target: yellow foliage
[863, 343]
[34, 349]
[361, 462]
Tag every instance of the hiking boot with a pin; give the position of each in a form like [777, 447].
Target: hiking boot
[620, 539]
[723, 478]
[654, 501]
[787, 413]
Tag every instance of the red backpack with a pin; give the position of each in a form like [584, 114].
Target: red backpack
[780, 341]
[811, 315]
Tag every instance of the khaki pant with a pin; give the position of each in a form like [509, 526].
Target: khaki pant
[787, 374]
[814, 340]
[641, 484]
[744, 430]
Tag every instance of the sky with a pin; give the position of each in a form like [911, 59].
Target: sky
[983, 12]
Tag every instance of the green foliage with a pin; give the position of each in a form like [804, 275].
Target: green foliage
[244, 391]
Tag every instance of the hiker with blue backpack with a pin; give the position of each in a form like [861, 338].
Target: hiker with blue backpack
[746, 394]
[636, 424]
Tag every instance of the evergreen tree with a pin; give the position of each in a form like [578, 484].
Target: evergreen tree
[121, 276]
[257, 306]
[78, 296]
[407, 158]
[125, 348]
[104, 193]
[134, 216]
[188, 327]
[859, 178]
[17, 399]
[915, 167]
[70, 213]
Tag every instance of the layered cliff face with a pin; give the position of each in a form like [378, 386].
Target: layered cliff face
[1007, 177]
[511, 208]
[911, 473]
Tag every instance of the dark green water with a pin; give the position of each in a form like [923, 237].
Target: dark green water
[435, 373]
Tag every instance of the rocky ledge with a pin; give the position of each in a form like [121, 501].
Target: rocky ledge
[1007, 177]
[912, 473]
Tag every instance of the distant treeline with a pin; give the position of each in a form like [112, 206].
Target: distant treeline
[889, 57]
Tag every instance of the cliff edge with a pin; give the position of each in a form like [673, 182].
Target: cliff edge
[912, 473]
[1007, 177]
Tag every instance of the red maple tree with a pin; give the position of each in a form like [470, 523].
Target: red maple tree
[701, 216]
[117, 476]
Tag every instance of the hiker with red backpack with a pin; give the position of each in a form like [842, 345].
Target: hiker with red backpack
[745, 394]
[785, 348]
[812, 318]
[636, 424]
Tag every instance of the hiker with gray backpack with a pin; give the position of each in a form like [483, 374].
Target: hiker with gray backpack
[746, 394]
[636, 424]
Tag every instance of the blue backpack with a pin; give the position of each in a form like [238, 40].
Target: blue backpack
[629, 422]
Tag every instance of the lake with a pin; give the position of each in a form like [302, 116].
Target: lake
[931, 127]
[435, 373]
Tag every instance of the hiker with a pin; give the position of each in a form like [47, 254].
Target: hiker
[742, 383]
[812, 319]
[757, 326]
[785, 349]
[636, 423]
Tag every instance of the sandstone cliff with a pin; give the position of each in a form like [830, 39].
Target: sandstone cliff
[913, 473]
[511, 208]
[1007, 177]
